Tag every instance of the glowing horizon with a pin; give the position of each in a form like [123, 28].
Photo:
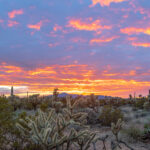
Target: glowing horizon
[80, 47]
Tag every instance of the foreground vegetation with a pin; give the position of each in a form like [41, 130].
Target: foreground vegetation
[67, 123]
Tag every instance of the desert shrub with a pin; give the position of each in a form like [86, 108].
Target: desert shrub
[134, 133]
[16, 104]
[35, 100]
[146, 125]
[8, 131]
[139, 103]
[32, 146]
[134, 109]
[143, 114]
[110, 115]
[22, 115]
[146, 132]
[92, 117]
[102, 102]
[6, 117]
[146, 105]
[137, 116]
[28, 106]
[44, 106]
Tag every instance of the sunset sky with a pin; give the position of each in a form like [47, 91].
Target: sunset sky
[79, 46]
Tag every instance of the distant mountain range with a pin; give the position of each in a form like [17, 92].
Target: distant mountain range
[75, 95]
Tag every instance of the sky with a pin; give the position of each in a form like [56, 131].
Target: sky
[78, 46]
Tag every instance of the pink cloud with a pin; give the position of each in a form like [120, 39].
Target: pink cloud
[57, 28]
[12, 23]
[53, 44]
[1, 21]
[102, 40]
[13, 13]
[138, 43]
[88, 25]
[141, 44]
[37, 26]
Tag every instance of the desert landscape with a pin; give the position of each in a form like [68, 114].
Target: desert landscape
[74, 123]
[74, 74]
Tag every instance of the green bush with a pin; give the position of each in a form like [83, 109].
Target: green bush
[146, 105]
[146, 125]
[44, 106]
[134, 133]
[110, 115]
[139, 103]
[6, 120]
[28, 106]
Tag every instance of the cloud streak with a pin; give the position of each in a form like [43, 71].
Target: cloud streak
[88, 25]
[36, 26]
[71, 45]
[133, 30]
[102, 40]
[71, 78]
[12, 23]
[105, 2]
[14, 13]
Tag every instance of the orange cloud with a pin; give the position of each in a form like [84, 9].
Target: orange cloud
[105, 2]
[133, 30]
[88, 26]
[35, 26]
[9, 68]
[12, 23]
[141, 44]
[57, 28]
[102, 40]
[77, 79]
[13, 13]
[135, 42]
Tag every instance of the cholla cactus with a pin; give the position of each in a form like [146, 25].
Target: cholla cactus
[49, 130]
[34, 100]
[71, 106]
[93, 102]
[43, 129]
[77, 117]
[115, 128]
[85, 141]
[57, 106]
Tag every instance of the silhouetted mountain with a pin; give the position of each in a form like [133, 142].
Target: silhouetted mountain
[76, 95]
[65, 94]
